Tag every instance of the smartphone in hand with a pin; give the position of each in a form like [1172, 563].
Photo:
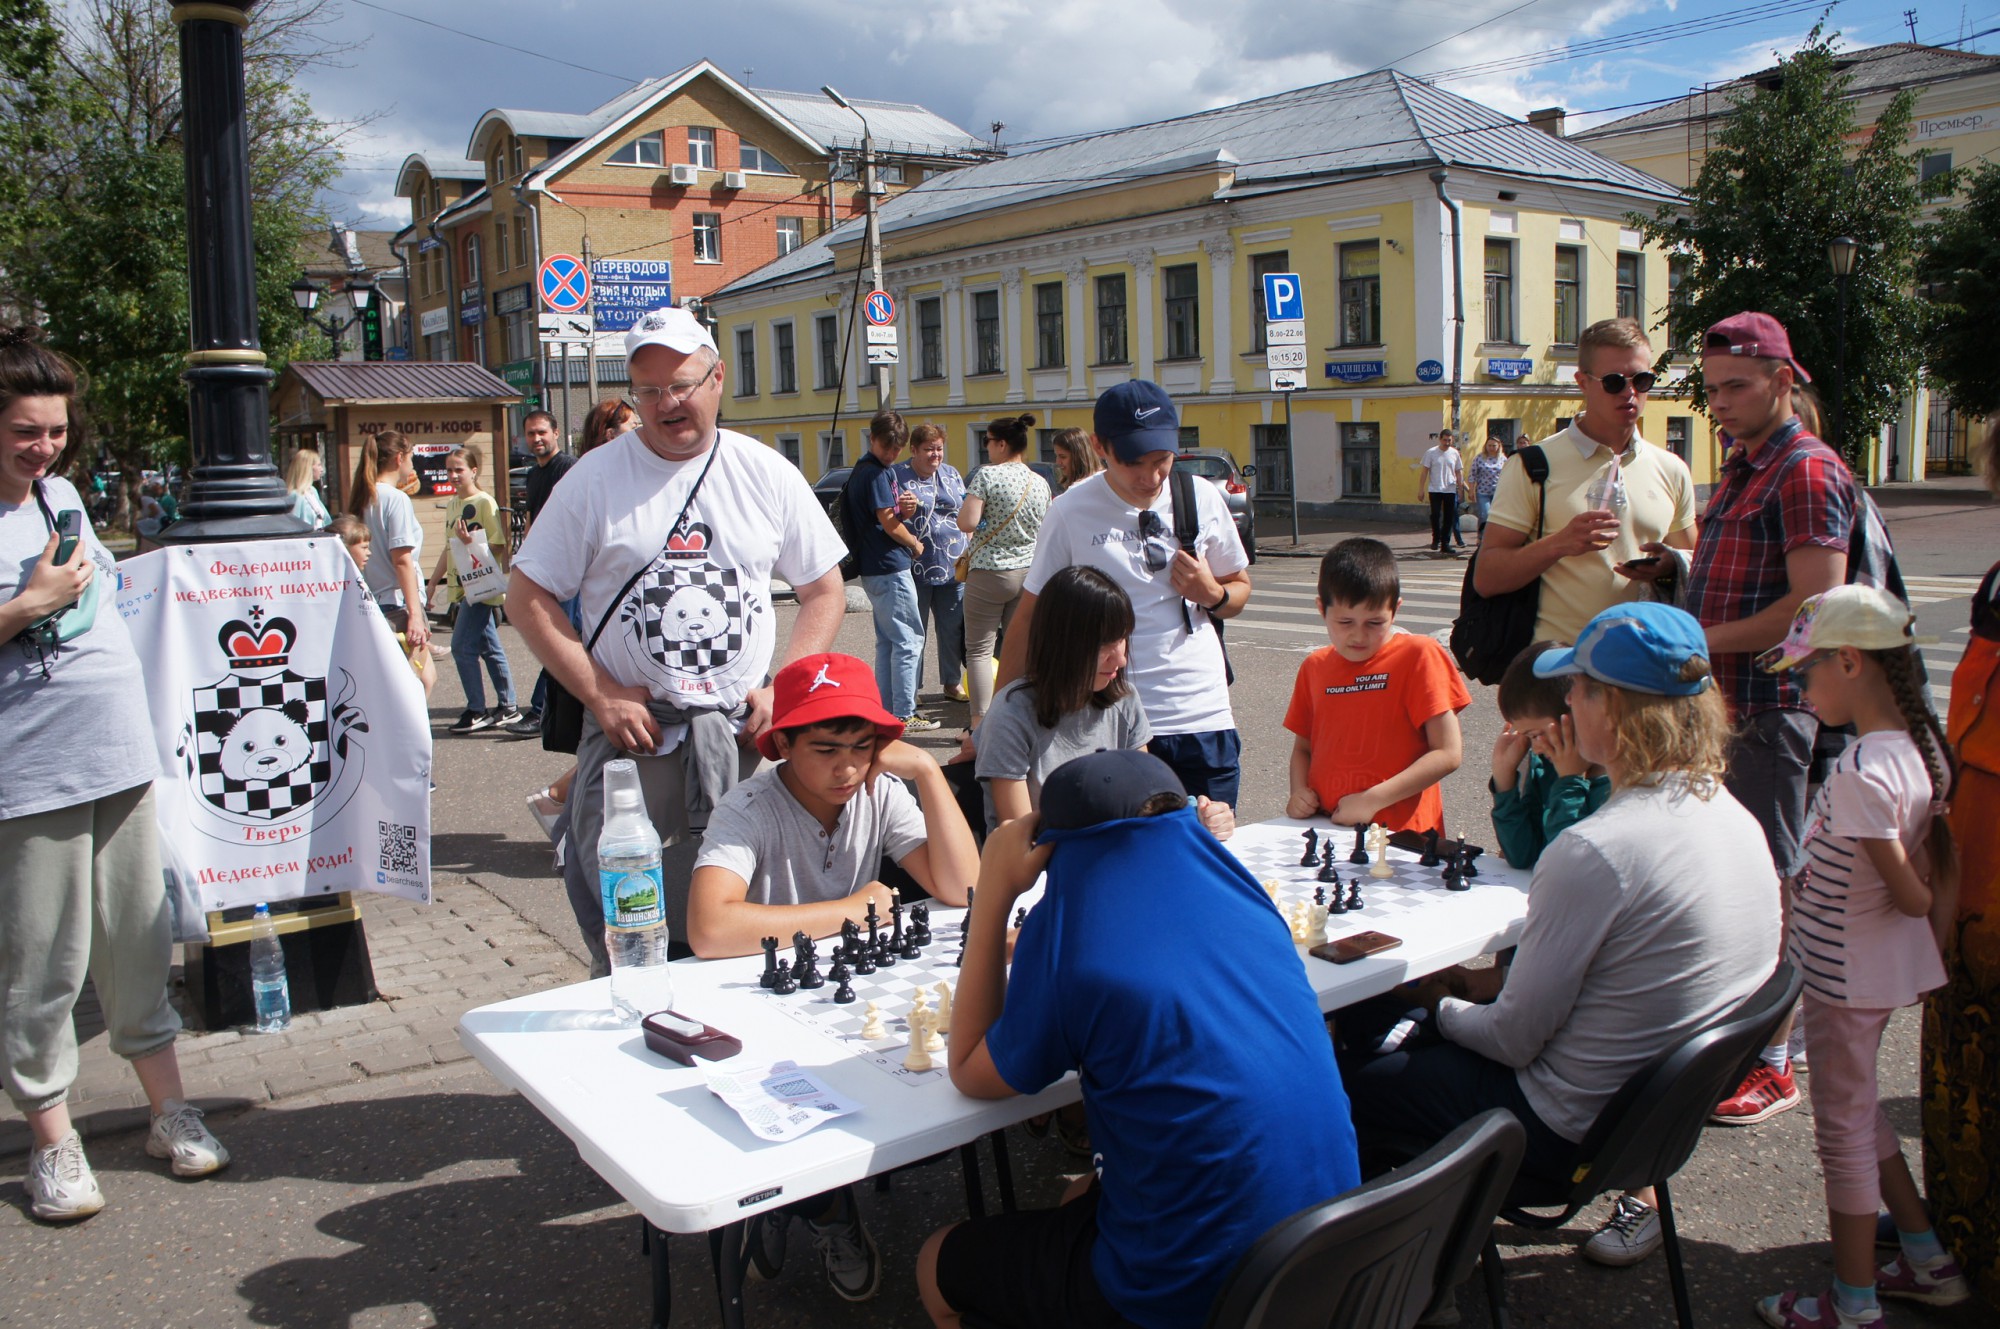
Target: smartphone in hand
[69, 530]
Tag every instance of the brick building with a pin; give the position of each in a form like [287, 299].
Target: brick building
[678, 186]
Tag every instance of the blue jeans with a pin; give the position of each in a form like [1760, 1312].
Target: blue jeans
[944, 604]
[475, 636]
[1209, 764]
[899, 639]
[1480, 507]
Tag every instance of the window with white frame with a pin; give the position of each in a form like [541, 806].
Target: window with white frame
[788, 448]
[756, 159]
[1569, 294]
[1049, 326]
[1361, 293]
[708, 237]
[930, 338]
[745, 369]
[1631, 299]
[521, 240]
[1180, 285]
[1499, 292]
[500, 244]
[701, 147]
[791, 234]
[521, 329]
[832, 449]
[826, 341]
[471, 259]
[520, 153]
[784, 358]
[645, 150]
[1111, 319]
[986, 332]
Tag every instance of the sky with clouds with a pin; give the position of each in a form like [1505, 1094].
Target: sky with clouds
[1043, 68]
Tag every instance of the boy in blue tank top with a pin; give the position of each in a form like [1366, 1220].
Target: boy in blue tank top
[1193, 1089]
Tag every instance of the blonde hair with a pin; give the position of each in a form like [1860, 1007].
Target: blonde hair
[1654, 735]
[350, 530]
[1620, 334]
[299, 474]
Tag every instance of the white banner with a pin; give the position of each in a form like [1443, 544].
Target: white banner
[294, 740]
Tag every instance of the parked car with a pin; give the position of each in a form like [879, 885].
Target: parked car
[1219, 468]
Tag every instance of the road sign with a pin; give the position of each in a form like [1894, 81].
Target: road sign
[564, 327]
[879, 309]
[564, 283]
[628, 289]
[1287, 380]
[1285, 357]
[1292, 333]
[1284, 297]
[880, 336]
[884, 355]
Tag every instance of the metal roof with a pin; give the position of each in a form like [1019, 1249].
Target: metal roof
[1373, 124]
[896, 126]
[401, 381]
[1886, 68]
[534, 124]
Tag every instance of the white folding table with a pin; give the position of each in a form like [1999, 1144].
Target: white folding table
[656, 1134]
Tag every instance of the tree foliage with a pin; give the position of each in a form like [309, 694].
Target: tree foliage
[94, 243]
[1961, 269]
[1787, 173]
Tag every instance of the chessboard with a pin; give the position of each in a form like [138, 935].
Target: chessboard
[1272, 850]
[893, 988]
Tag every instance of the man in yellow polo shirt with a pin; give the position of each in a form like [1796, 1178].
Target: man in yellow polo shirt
[1598, 518]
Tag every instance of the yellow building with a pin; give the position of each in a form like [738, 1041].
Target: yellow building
[1957, 124]
[671, 189]
[1035, 282]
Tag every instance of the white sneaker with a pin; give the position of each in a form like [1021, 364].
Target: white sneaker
[1631, 1234]
[179, 1135]
[60, 1185]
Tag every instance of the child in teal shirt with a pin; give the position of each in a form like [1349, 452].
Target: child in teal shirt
[1541, 784]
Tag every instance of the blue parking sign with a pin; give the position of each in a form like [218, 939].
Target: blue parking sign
[1284, 297]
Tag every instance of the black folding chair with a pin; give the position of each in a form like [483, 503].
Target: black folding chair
[1650, 1128]
[1378, 1256]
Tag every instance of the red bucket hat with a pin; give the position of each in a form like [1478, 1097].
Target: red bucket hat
[825, 687]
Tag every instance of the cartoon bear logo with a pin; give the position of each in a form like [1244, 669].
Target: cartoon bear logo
[695, 614]
[267, 743]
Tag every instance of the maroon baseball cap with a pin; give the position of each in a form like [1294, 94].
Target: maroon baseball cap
[825, 687]
[1753, 334]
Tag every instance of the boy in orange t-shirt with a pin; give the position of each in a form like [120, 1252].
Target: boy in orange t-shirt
[1375, 715]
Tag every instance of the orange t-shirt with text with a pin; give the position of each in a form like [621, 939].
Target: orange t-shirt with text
[1365, 721]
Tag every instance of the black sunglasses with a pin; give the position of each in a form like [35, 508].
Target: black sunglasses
[1642, 382]
[1151, 528]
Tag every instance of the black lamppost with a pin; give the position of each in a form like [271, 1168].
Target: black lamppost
[306, 295]
[1841, 252]
[234, 491]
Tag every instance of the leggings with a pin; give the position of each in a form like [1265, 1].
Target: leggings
[1853, 1135]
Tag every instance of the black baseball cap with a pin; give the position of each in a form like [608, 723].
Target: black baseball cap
[1108, 785]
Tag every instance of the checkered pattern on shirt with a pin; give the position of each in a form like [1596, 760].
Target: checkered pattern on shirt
[269, 800]
[1795, 492]
[657, 587]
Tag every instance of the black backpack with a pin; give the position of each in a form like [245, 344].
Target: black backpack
[1492, 629]
[1187, 531]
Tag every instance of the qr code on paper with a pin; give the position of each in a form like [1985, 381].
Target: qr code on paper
[399, 848]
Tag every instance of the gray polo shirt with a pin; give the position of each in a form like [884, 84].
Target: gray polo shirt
[761, 833]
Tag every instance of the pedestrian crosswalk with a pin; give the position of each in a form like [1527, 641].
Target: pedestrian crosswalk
[1284, 607]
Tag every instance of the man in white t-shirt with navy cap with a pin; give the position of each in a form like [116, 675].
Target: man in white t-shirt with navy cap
[1121, 521]
[670, 535]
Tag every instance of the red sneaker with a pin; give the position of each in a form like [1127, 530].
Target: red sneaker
[1764, 1094]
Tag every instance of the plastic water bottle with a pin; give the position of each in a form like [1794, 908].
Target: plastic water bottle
[273, 995]
[634, 894]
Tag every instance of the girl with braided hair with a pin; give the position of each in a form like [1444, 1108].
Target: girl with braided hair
[1867, 920]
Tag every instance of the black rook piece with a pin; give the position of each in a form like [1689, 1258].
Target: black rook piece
[770, 975]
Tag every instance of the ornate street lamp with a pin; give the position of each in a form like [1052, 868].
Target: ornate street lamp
[306, 295]
[1841, 253]
[234, 492]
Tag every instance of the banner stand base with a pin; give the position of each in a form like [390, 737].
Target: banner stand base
[326, 960]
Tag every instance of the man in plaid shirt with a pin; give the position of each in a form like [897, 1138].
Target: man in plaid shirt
[1776, 531]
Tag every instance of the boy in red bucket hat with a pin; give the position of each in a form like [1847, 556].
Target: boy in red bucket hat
[795, 848]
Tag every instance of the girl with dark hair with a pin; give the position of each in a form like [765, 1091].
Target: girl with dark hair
[606, 421]
[1005, 502]
[80, 883]
[1075, 458]
[382, 472]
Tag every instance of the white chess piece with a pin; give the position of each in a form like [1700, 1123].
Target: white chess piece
[943, 991]
[1300, 920]
[933, 1041]
[919, 1057]
[1378, 841]
[1316, 924]
[1271, 889]
[872, 1026]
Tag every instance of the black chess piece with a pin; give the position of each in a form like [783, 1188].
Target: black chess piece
[911, 950]
[850, 939]
[1333, 905]
[1454, 880]
[1319, 894]
[874, 922]
[770, 974]
[784, 984]
[896, 916]
[1469, 860]
[1311, 855]
[920, 923]
[844, 994]
[864, 958]
[1020, 917]
[1354, 896]
[964, 928]
[839, 973]
[1430, 854]
[1360, 855]
[809, 974]
[1326, 861]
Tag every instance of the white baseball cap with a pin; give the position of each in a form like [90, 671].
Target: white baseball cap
[676, 329]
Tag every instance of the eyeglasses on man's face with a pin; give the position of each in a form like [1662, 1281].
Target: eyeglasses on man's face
[677, 393]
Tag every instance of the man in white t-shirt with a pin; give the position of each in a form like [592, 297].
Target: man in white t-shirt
[1444, 472]
[1121, 520]
[669, 535]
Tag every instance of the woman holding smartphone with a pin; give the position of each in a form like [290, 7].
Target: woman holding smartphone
[80, 884]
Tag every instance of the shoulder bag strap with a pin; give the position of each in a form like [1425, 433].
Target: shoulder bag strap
[1535, 463]
[619, 598]
[1019, 502]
